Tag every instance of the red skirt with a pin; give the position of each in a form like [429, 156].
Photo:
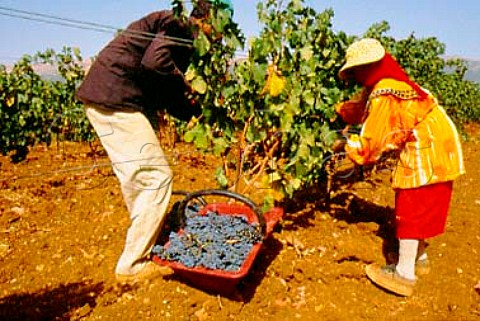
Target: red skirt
[422, 212]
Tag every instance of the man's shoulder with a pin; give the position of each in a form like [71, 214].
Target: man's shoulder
[160, 13]
[158, 16]
[165, 20]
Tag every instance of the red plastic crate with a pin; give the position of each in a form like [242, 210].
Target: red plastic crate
[222, 281]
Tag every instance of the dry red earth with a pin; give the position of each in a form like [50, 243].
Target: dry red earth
[63, 222]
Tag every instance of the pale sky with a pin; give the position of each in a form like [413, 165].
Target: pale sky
[454, 23]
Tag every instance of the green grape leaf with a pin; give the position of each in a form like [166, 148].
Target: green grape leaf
[199, 85]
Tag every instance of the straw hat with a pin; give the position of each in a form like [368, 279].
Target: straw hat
[362, 52]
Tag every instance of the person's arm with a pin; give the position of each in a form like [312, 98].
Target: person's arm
[352, 111]
[380, 132]
[158, 58]
[158, 55]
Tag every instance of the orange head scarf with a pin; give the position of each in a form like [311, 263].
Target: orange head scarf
[387, 67]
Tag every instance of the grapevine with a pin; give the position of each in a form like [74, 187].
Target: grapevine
[34, 109]
[269, 113]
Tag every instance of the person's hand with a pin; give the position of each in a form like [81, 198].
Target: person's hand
[351, 112]
[338, 146]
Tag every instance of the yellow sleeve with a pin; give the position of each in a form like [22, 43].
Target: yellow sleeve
[380, 132]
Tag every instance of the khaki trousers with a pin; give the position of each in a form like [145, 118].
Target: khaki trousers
[145, 178]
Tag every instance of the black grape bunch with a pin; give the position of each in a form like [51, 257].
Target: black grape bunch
[211, 240]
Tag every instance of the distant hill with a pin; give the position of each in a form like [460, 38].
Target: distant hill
[49, 72]
[473, 72]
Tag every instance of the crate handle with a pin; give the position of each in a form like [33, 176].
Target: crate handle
[185, 193]
[198, 195]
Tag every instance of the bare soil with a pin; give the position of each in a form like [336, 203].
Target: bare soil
[63, 223]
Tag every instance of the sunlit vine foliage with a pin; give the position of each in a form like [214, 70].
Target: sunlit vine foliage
[34, 109]
[268, 113]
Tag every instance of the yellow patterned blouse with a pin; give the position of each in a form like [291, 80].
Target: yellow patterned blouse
[427, 140]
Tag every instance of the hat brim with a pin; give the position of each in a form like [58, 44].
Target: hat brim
[344, 71]
[375, 56]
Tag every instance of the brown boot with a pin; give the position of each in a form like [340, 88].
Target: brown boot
[388, 278]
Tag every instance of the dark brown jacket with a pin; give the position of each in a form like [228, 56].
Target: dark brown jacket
[142, 68]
